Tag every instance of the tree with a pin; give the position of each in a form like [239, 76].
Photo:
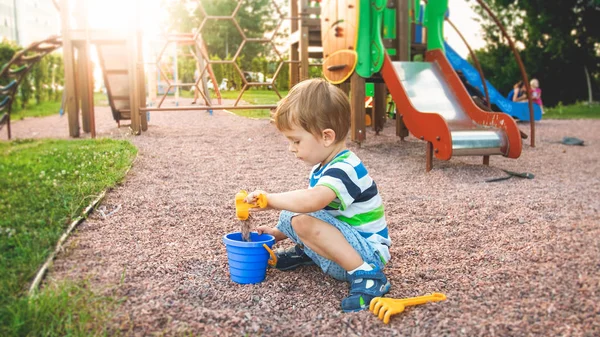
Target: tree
[558, 42]
[255, 19]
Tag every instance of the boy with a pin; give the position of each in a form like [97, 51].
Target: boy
[337, 223]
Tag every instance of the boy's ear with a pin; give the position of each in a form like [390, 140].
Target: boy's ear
[328, 136]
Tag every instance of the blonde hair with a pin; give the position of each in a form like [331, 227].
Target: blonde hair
[315, 105]
[534, 83]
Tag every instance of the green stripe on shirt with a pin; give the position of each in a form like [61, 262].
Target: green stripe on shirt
[337, 193]
[340, 158]
[361, 219]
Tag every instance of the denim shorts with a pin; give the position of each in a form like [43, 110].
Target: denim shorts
[360, 244]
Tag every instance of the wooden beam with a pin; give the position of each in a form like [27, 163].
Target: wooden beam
[357, 108]
[69, 65]
[429, 157]
[379, 106]
[304, 53]
[403, 30]
[294, 66]
[134, 99]
[141, 80]
[85, 83]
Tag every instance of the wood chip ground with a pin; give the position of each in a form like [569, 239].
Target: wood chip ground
[515, 258]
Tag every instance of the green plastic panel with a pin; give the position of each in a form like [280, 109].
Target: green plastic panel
[389, 23]
[369, 89]
[370, 45]
[434, 21]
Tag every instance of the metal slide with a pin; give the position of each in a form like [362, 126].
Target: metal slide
[437, 108]
[518, 110]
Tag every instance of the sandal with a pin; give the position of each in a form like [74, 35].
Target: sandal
[360, 295]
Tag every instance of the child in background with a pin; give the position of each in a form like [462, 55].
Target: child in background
[536, 93]
[338, 222]
[519, 93]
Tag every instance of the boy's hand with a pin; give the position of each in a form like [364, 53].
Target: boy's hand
[252, 198]
[265, 230]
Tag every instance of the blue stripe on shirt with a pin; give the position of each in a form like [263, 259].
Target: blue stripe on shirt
[364, 234]
[361, 170]
[368, 193]
[351, 187]
[384, 233]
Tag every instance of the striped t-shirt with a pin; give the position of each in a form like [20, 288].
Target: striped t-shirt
[358, 202]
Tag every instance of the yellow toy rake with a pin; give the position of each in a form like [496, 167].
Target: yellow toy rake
[384, 308]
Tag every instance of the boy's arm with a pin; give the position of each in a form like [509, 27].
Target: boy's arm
[302, 201]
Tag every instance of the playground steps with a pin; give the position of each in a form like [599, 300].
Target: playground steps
[113, 61]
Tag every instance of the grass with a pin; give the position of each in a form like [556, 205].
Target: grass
[255, 97]
[574, 111]
[45, 184]
[262, 97]
[64, 309]
[48, 108]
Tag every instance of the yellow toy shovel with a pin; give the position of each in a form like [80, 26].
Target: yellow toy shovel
[242, 208]
[386, 307]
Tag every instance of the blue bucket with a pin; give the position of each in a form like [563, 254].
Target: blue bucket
[248, 259]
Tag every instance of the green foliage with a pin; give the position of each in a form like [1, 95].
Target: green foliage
[255, 18]
[40, 83]
[186, 65]
[36, 110]
[560, 41]
[65, 309]
[255, 97]
[578, 110]
[45, 184]
[7, 51]
[499, 66]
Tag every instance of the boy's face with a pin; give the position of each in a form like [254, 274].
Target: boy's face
[306, 146]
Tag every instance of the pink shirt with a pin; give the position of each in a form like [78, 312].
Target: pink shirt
[536, 96]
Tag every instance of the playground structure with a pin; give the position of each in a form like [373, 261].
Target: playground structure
[374, 44]
[431, 99]
[197, 49]
[121, 59]
[16, 70]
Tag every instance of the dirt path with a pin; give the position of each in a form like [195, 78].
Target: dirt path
[515, 258]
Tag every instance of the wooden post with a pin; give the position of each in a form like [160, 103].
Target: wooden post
[486, 160]
[85, 75]
[303, 53]
[403, 47]
[69, 64]
[403, 30]
[140, 78]
[345, 87]
[294, 55]
[357, 107]
[401, 129]
[134, 99]
[429, 156]
[379, 106]
[85, 87]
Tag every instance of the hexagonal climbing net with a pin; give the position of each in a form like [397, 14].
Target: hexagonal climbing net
[199, 51]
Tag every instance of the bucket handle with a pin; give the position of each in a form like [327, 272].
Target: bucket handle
[273, 260]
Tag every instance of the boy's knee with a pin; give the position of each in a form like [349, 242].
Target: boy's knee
[302, 225]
